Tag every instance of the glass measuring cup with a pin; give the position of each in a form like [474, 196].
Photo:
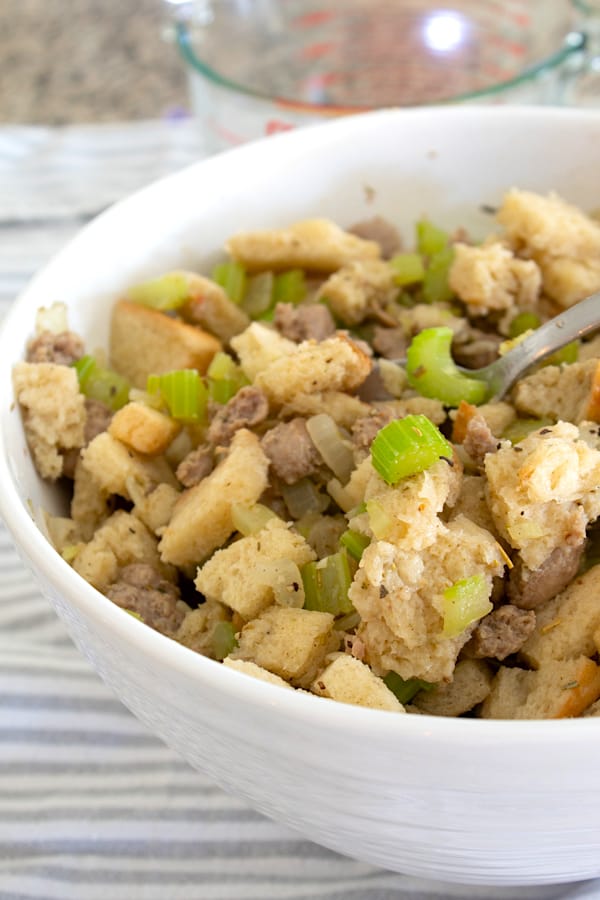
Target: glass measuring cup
[261, 66]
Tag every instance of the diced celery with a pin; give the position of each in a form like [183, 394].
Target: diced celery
[101, 384]
[170, 291]
[407, 268]
[231, 275]
[436, 288]
[225, 378]
[380, 522]
[326, 584]
[354, 542]
[465, 602]
[430, 238]
[289, 287]
[520, 428]
[406, 688]
[407, 446]
[184, 393]
[250, 519]
[433, 373]
[223, 640]
[258, 298]
[525, 321]
[565, 356]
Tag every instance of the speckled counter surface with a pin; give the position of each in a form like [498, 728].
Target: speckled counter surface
[69, 61]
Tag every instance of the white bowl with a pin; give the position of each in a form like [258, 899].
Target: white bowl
[487, 802]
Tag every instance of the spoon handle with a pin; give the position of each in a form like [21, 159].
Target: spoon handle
[576, 322]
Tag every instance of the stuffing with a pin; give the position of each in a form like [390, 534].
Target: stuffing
[336, 364]
[350, 681]
[571, 393]
[53, 412]
[358, 289]
[470, 686]
[197, 628]
[548, 225]
[314, 244]
[245, 575]
[544, 491]
[560, 237]
[343, 408]
[258, 346]
[567, 624]
[398, 592]
[490, 277]
[114, 466]
[250, 668]
[210, 307]
[162, 343]
[560, 689]
[202, 517]
[291, 643]
[120, 541]
[144, 429]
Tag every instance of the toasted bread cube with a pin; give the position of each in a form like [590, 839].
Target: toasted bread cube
[243, 574]
[121, 540]
[250, 668]
[357, 289]
[202, 518]
[144, 341]
[470, 685]
[288, 642]
[314, 244]
[335, 364]
[566, 625]
[196, 630]
[144, 429]
[490, 277]
[210, 307]
[570, 393]
[113, 466]
[348, 680]
[258, 346]
[548, 225]
[567, 281]
[559, 689]
[53, 412]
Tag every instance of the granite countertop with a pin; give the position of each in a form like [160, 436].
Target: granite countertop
[87, 61]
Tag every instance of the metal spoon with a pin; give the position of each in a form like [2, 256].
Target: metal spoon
[581, 319]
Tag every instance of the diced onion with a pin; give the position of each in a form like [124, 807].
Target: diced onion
[336, 453]
[303, 497]
[250, 519]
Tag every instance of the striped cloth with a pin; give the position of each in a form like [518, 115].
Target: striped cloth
[90, 802]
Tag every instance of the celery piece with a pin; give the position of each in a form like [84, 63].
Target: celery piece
[231, 275]
[407, 446]
[436, 288]
[430, 238]
[258, 298]
[225, 378]
[170, 291]
[184, 393]
[433, 373]
[520, 428]
[101, 384]
[289, 287]
[380, 521]
[464, 602]
[354, 542]
[406, 688]
[525, 321]
[326, 584]
[250, 519]
[223, 640]
[407, 268]
[565, 356]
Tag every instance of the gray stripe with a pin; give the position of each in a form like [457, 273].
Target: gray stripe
[62, 702]
[167, 849]
[85, 813]
[73, 738]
